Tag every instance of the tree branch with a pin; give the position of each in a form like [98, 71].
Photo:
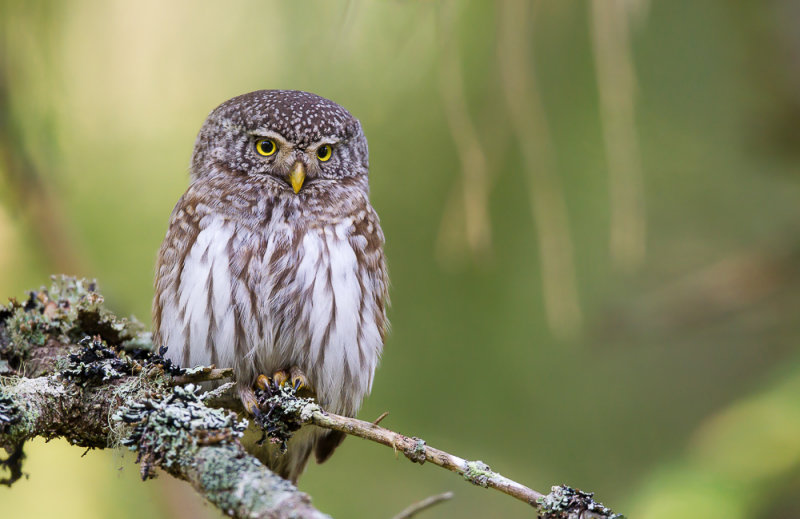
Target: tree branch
[426, 503]
[71, 369]
[203, 374]
[562, 502]
[108, 391]
[415, 449]
[211, 459]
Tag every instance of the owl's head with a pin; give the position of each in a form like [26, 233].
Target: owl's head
[296, 138]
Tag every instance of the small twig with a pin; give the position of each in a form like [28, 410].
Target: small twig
[202, 374]
[562, 502]
[306, 411]
[418, 451]
[419, 506]
[380, 418]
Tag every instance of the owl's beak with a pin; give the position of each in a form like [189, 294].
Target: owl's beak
[297, 176]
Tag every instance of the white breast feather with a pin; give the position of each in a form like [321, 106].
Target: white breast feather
[330, 266]
[326, 269]
[206, 258]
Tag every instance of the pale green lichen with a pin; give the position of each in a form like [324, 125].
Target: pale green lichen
[283, 415]
[26, 329]
[12, 419]
[168, 431]
[417, 454]
[81, 308]
[233, 482]
[10, 413]
[142, 341]
[478, 473]
[27, 415]
[68, 310]
[308, 410]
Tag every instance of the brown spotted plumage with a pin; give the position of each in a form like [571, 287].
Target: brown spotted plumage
[276, 261]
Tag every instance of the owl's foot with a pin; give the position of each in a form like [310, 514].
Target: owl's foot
[263, 382]
[278, 379]
[281, 377]
[249, 400]
[299, 380]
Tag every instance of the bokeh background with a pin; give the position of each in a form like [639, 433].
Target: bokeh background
[592, 211]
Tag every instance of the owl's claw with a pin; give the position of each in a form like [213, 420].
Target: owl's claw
[279, 378]
[262, 382]
[299, 380]
[249, 401]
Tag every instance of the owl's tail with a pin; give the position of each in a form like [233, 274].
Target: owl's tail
[290, 465]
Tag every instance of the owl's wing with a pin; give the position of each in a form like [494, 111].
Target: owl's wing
[367, 242]
[194, 312]
[181, 235]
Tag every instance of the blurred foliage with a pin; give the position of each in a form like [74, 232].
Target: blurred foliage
[660, 372]
[740, 462]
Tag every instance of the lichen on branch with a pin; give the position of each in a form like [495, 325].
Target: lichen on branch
[69, 365]
[167, 431]
[36, 333]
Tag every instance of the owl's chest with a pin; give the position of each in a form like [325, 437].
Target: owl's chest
[260, 300]
[312, 282]
[312, 291]
[306, 289]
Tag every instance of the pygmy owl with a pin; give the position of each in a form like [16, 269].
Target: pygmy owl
[273, 260]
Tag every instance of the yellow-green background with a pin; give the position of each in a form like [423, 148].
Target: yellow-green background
[678, 393]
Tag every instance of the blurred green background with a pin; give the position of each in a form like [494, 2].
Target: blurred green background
[591, 209]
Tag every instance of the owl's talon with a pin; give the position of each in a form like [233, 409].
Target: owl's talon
[299, 380]
[279, 378]
[251, 407]
[249, 402]
[262, 382]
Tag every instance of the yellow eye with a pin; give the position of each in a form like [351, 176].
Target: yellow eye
[324, 152]
[266, 147]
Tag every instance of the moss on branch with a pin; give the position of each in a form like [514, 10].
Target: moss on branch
[72, 369]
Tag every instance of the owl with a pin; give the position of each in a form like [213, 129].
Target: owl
[273, 261]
